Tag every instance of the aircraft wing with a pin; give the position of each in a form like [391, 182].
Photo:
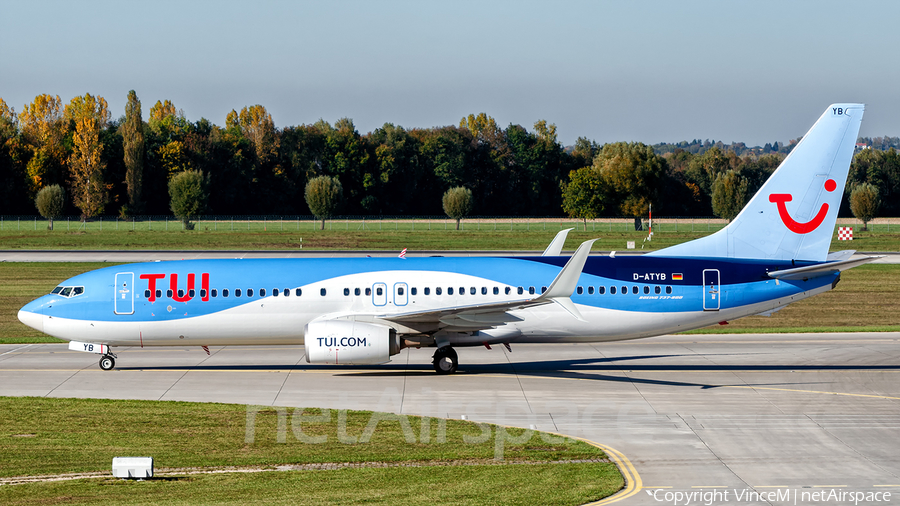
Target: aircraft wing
[490, 315]
[813, 271]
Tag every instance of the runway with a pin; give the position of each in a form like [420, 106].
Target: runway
[800, 413]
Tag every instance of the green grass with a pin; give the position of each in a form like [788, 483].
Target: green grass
[484, 234]
[866, 300]
[40, 436]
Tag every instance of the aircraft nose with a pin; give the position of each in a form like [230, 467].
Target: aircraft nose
[31, 314]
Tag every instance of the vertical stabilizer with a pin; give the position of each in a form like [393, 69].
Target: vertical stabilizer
[792, 216]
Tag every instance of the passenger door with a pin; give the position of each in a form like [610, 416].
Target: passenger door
[124, 293]
[712, 299]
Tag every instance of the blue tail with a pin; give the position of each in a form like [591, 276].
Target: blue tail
[792, 216]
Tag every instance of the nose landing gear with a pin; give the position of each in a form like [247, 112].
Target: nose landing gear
[107, 361]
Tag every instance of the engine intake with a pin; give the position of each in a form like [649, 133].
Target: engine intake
[349, 343]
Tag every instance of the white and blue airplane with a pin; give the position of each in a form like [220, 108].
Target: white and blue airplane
[364, 310]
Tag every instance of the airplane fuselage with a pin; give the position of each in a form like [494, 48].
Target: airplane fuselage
[235, 302]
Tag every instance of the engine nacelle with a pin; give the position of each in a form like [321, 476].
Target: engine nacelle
[349, 343]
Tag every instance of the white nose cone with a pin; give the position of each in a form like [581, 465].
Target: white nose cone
[33, 320]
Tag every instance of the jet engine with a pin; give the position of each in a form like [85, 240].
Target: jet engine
[349, 343]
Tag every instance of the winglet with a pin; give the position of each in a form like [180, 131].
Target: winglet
[567, 280]
[556, 245]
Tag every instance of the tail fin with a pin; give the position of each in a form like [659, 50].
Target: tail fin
[792, 216]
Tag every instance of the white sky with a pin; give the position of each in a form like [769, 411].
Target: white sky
[651, 71]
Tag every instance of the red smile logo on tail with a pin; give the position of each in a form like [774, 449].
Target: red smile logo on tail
[793, 225]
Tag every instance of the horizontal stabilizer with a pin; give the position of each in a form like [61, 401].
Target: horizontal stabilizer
[814, 271]
[837, 256]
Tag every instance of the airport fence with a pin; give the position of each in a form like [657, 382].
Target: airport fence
[387, 223]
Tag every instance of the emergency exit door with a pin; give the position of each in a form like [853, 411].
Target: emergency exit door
[124, 294]
[711, 296]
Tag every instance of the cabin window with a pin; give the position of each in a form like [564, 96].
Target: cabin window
[449, 290]
[437, 290]
[580, 290]
[462, 290]
[531, 290]
[413, 291]
[322, 291]
[646, 289]
[612, 290]
[287, 292]
[601, 290]
[224, 292]
[146, 294]
[634, 289]
[399, 290]
[262, 292]
[496, 290]
[202, 293]
[298, 292]
[427, 291]
[249, 292]
[368, 292]
[656, 289]
[473, 290]
[624, 290]
[590, 290]
[507, 290]
[276, 292]
[191, 293]
[668, 289]
[520, 290]
[158, 294]
[356, 291]
[346, 292]
[180, 293]
[237, 292]
[379, 291]
[543, 289]
[215, 293]
[484, 290]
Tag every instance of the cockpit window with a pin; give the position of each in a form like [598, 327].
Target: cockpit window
[68, 291]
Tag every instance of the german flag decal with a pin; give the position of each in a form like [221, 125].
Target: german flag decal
[677, 276]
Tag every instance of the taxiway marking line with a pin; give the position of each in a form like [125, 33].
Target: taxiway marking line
[813, 392]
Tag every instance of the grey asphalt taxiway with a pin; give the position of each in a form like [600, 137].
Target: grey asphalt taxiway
[767, 416]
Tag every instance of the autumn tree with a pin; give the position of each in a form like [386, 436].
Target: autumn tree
[457, 203]
[583, 194]
[729, 194]
[50, 202]
[88, 106]
[256, 124]
[323, 196]
[132, 131]
[43, 129]
[188, 196]
[86, 169]
[864, 203]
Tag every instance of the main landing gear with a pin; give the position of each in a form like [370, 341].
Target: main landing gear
[107, 361]
[445, 360]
